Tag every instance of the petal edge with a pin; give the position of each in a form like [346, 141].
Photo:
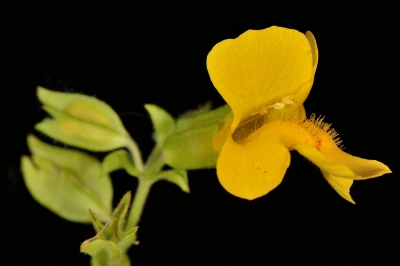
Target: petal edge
[253, 169]
[340, 185]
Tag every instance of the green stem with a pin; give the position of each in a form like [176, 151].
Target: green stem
[135, 152]
[154, 163]
[141, 194]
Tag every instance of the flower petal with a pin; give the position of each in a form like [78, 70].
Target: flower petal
[328, 153]
[260, 67]
[256, 164]
[222, 135]
[314, 49]
[362, 168]
[340, 185]
[339, 163]
[252, 169]
[323, 163]
[303, 92]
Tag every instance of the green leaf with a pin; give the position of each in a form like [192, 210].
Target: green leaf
[177, 176]
[67, 182]
[119, 159]
[162, 121]
[190, 145]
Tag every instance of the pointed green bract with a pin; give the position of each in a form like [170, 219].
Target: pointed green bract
[190, 145]
[111, 242]
[97, 224]
[68, 182]
[162, 121]
[118, 216]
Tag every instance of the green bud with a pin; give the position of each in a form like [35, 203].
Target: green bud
[111, 242]
[101, 250]
[82, 121]
[190, 145]
[67, 182]
[162, 121]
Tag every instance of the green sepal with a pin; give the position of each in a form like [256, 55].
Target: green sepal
[177, 176]
[103, 250]
[116, 227]
[163, 122]
[202, 109]
[97, 224]
[190, 145]
[67, 182]
[111, 242]
[82, 121]
[123, 261]
[119, 159]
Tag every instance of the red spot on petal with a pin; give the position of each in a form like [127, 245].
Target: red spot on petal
[318, 144]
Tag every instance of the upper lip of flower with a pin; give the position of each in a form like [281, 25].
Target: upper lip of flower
[259, 68]
[270, 72]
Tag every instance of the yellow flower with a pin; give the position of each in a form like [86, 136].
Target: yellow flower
[265, 76]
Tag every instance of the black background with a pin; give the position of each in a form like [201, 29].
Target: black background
[137, 52]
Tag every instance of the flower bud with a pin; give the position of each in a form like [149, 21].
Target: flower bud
[112, 241]
[81, 121]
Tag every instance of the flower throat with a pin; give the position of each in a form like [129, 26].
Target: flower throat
[321, 131]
